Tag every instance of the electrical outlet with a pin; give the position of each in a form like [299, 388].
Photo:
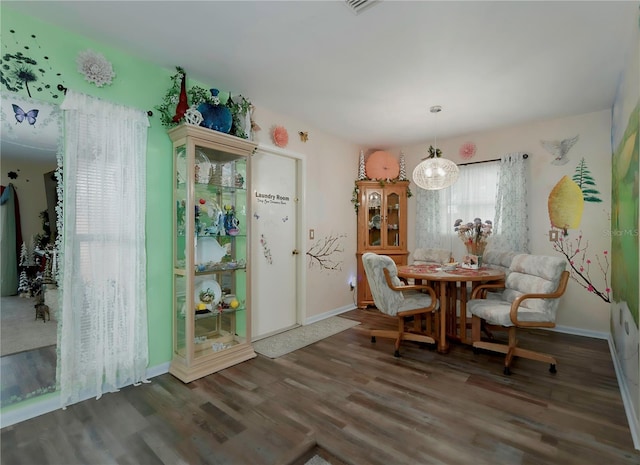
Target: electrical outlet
[553, 235]
[351, 286]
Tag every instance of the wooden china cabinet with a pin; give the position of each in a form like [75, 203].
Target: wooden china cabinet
[382, 227]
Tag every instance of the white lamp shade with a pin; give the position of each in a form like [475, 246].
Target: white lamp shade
[435, 173]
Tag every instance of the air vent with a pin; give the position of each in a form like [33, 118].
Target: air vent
[358, 6]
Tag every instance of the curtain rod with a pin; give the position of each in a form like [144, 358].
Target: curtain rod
[525, 156]
[63, 89]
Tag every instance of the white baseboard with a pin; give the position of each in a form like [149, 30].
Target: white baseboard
[48, 403]
[626, 398]
[581, 332]
[334, 312]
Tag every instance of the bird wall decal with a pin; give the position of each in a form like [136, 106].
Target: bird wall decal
[559, 149]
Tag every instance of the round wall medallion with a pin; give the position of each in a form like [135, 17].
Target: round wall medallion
[467, 150]
[280, 136]
[382, 165]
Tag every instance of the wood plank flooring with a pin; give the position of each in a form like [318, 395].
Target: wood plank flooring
[358, 403]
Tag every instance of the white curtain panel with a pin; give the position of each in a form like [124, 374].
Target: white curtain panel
[511, 230]
[428, 228]
[102, 341]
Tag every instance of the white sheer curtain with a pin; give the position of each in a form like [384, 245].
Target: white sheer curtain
[103, 336]
[472, 196]
[511, 230]
[428, 231]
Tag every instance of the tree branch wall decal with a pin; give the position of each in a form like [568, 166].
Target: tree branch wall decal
[323, 253]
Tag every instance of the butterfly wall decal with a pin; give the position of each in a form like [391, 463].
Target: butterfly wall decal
[21, 115]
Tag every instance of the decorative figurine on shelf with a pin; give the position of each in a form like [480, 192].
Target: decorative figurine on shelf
[180, 212]
[193, 116]
[182, 106]
[216, 116]
[197, 218]
[231, 223]
[403, 168]
[361, 173]
[239, 181]
[217, 219]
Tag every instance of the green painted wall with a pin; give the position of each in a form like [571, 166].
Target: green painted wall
[137, 84]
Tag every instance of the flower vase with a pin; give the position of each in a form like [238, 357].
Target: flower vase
[215, 116]
[477, 249]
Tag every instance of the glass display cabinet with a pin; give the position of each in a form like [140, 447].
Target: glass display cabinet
[211, 279]
[382, 227]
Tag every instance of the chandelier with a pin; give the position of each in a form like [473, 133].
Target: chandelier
[435, 172]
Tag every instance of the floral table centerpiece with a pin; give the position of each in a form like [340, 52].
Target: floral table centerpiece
[474, 235]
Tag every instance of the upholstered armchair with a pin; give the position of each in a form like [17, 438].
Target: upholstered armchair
[498, 258]
[399, 300]
[529, 299]
[431, 256]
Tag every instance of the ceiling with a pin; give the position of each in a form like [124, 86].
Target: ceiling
[370, 78]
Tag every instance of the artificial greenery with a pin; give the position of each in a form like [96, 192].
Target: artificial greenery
[42, 239]
[197, 95]
[239, 109]
[355, 195]
[434, 153]
[167, 108]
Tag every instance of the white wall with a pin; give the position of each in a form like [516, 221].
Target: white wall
[578, 308]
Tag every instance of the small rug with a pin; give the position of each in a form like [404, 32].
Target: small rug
[20, 330]
[297, 338]
[316, 460]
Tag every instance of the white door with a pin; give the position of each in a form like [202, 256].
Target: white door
[274, 251]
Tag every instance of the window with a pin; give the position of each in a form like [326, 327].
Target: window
[472, 196]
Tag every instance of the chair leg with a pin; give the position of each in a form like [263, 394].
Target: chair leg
[486, 330]
[511, 350]
[400, 334]
[513, 341]
[476, 324]
[399, 339]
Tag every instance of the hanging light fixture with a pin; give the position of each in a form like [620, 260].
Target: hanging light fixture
[435, 172]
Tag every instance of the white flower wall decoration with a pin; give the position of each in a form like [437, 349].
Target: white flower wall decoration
[95, 68]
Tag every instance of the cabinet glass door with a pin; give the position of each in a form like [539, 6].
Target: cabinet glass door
[392, 222]
[374, 218]
[180, 249]
[211, 250]
[220, 250]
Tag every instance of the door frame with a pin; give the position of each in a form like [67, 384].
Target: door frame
[301, 224]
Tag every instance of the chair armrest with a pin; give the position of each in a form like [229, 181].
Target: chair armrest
[480, 291]
[562, 286]
[414, 287]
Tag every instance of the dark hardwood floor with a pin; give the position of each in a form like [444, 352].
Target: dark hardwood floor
[358, 403]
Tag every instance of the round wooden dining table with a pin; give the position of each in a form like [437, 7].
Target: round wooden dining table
[451, 289]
